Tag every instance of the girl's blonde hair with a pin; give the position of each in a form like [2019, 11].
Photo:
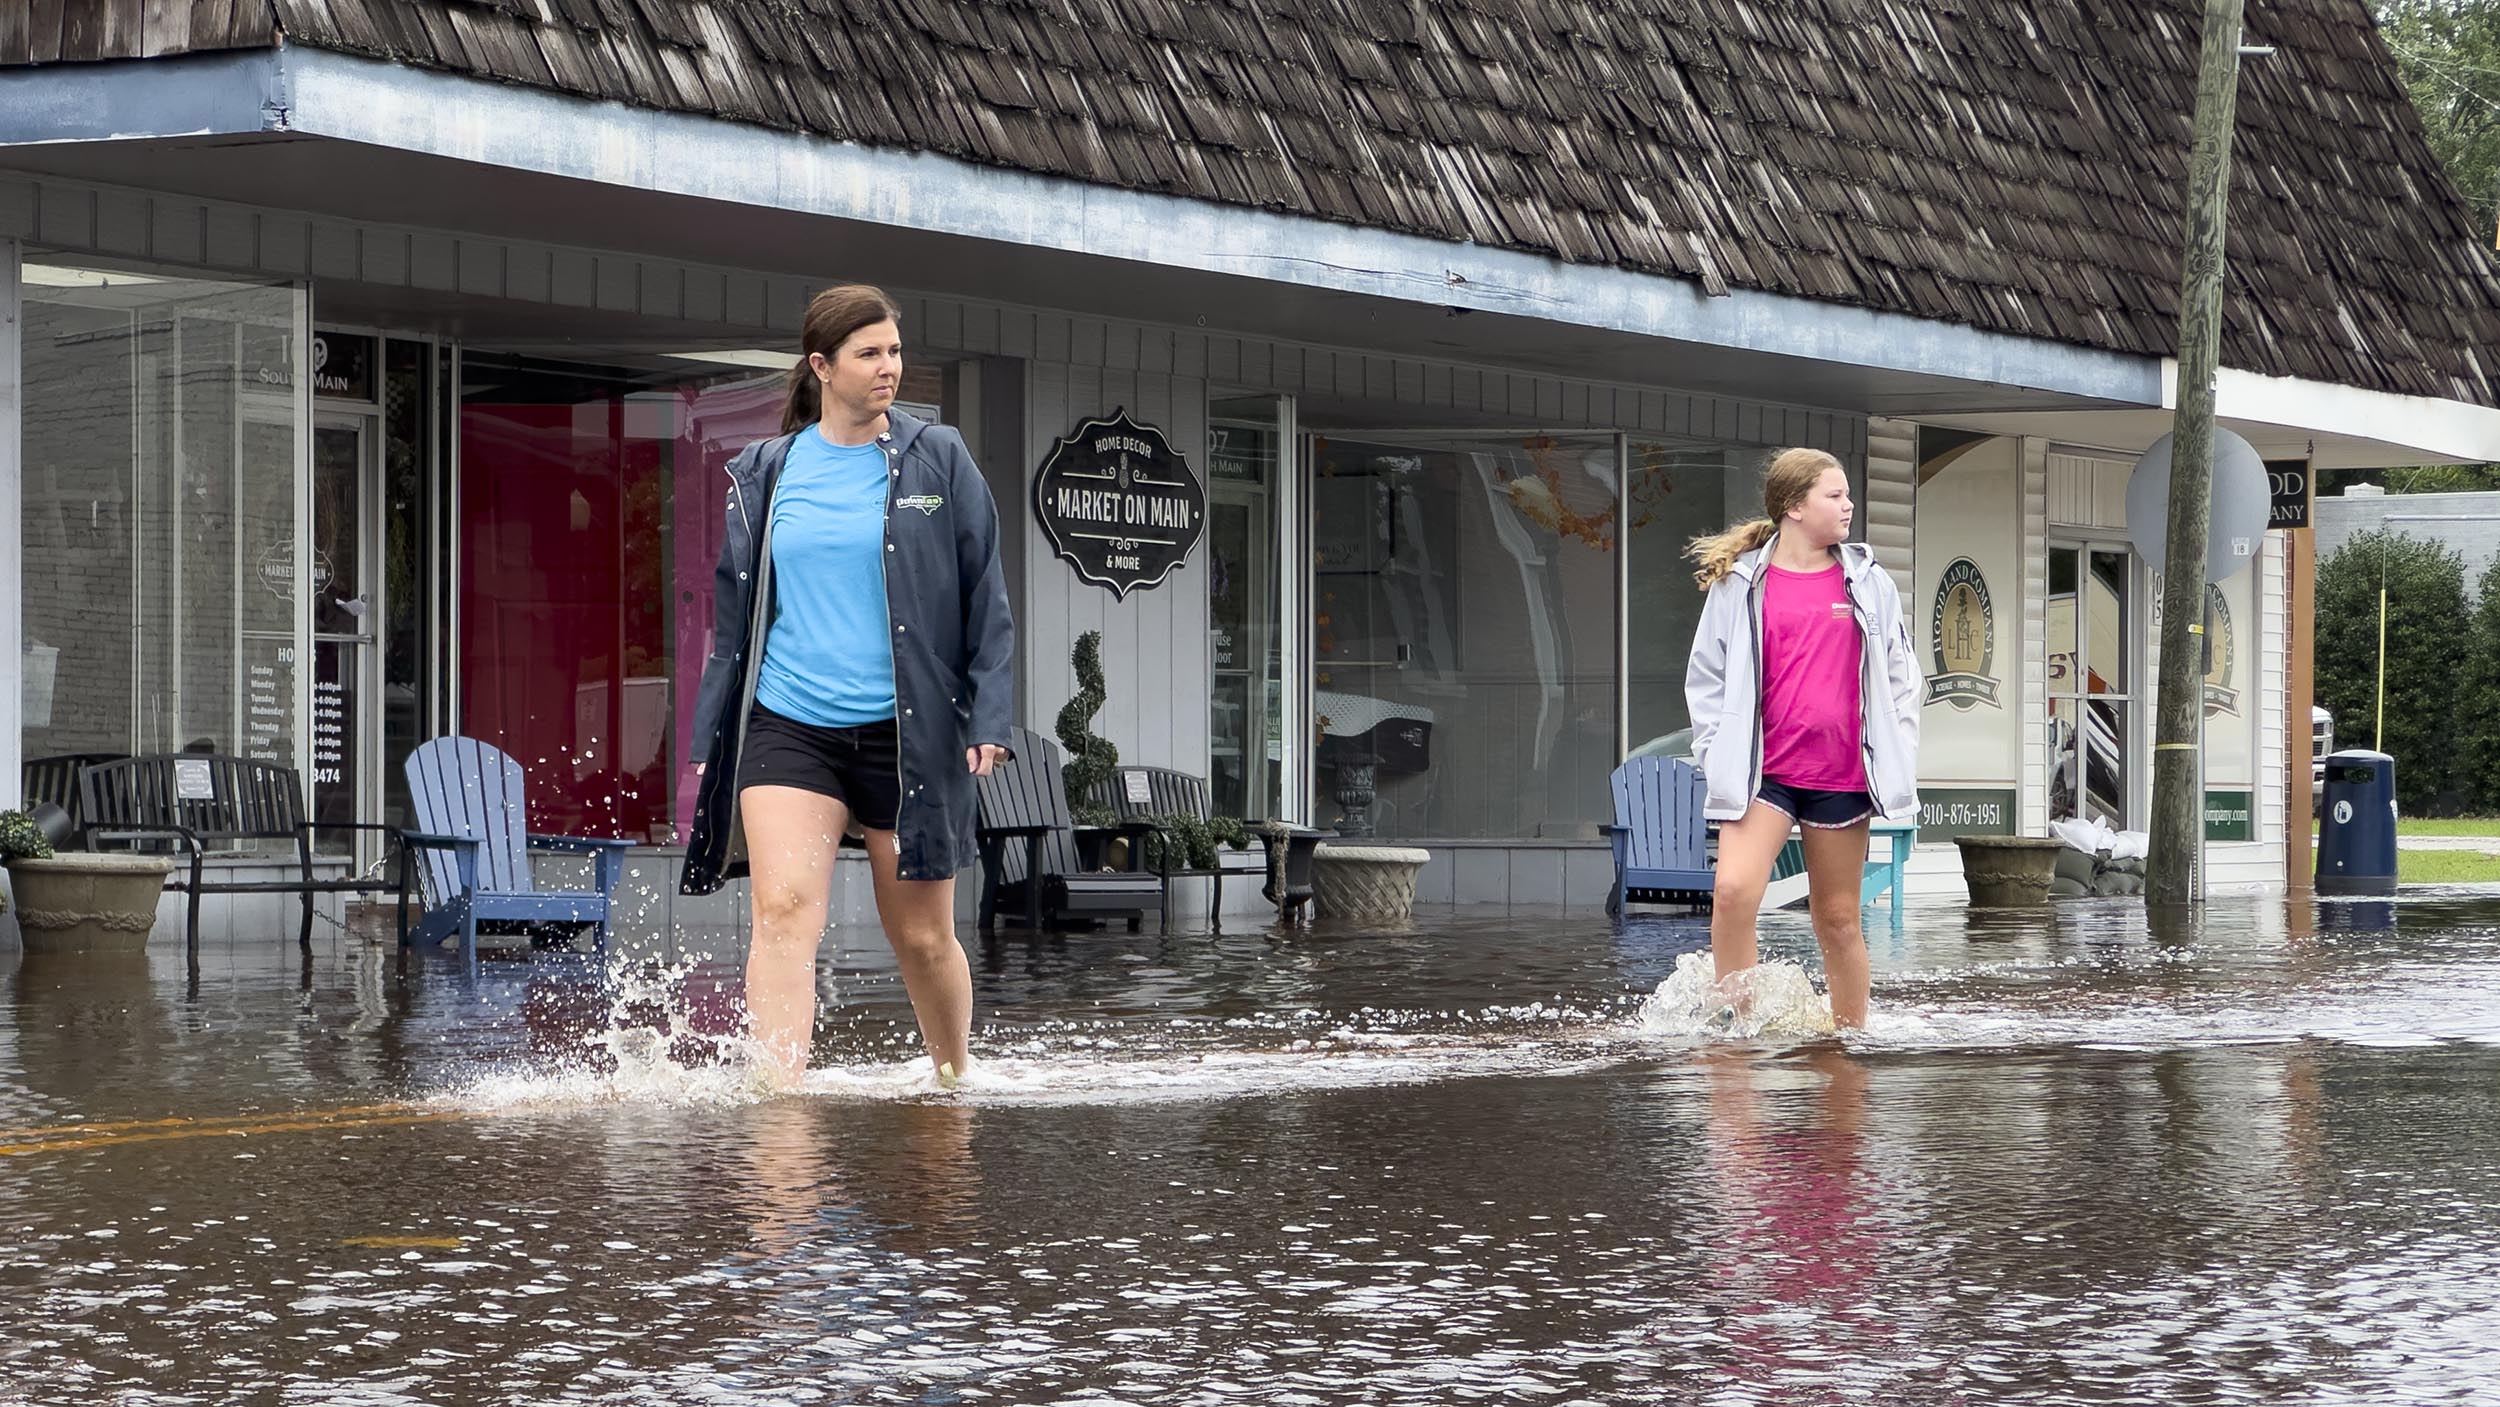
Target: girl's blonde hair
[1790, 476]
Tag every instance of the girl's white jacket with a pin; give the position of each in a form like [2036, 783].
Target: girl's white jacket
[1723, 685]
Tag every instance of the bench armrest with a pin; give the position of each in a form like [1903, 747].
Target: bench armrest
[424, 841]
[1017, 830]
[577, 844]
[189, 839]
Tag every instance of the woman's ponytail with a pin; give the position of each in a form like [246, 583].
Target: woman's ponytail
[1717, 553]
[804, 404]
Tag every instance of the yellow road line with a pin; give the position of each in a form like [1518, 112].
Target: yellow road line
[16, 1135]
[156, 1131]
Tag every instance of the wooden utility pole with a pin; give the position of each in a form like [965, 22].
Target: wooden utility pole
[2178, 811]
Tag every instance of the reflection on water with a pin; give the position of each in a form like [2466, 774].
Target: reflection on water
[2247, 1160]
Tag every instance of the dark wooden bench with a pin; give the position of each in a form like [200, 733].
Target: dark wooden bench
[195, 801]
[1029, 855]
[55, 779]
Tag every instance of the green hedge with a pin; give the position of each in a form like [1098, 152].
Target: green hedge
[2429, 632]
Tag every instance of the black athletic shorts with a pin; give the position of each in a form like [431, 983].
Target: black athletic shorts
[858, 767]
[1823, 810]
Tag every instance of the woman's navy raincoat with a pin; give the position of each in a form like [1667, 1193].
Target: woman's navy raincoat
[946, 600]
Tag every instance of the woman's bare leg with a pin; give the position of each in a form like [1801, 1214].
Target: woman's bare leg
[791, 838]
[919, 919]
[1835, 875]
[1746, 850]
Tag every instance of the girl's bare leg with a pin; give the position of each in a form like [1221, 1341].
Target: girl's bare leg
[1835, 872]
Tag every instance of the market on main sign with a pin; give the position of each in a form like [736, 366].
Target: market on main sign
[1119, 504]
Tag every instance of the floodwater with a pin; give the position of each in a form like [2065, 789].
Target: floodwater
[2249, 1160]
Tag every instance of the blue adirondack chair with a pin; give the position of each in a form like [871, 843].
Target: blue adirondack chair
[473, 835]
[1661, 840]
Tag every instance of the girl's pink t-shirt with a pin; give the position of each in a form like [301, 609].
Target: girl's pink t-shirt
[1811, 722]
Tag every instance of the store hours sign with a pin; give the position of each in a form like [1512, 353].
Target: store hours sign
[1119, 505]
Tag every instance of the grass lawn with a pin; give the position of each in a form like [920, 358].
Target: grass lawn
[2446, 867]
[2443, 825]
[2449, 825]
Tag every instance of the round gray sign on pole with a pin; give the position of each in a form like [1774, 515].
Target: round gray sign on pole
[2235, 526]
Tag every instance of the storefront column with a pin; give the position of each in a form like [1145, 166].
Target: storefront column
[12, 529]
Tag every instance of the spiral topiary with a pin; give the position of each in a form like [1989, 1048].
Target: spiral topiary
[1091, 758]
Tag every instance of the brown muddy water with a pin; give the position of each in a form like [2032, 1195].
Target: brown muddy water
[2251, 1159]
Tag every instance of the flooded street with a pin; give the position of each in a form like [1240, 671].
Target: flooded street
[2254, 1160]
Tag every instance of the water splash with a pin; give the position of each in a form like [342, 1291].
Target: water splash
[1772, 999]
[664, 1034]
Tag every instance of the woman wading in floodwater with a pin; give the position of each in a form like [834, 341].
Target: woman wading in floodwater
[857, 683]
[1803, 695]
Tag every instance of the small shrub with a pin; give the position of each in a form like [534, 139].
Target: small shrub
[1192, 841]
[21, 838]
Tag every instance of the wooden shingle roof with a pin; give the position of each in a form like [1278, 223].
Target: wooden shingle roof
[2018, 167]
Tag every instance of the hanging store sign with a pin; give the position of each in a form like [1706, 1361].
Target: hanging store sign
[1119, 505]
[2288, 490]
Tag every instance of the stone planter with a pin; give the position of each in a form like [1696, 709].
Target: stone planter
[85, 902]
[1365, 881]
[2008, 871]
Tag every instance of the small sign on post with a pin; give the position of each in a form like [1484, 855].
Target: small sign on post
[193, 781]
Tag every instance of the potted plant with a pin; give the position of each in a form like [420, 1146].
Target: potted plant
[79, 900]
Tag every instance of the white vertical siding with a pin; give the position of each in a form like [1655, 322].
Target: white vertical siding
[2088, 491]
[2257, 865]
[1892, 494]
[1154, 643]
[2031, 700]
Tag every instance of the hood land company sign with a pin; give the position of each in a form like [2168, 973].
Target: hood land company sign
[1962, 639]
[1119, 505]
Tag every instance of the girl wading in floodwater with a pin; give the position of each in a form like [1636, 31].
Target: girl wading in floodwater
[1803, 695]
[858, 680]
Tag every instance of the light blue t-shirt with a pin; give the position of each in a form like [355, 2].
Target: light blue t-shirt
[827, 660]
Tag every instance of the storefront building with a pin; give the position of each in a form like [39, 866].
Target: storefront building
[369, 381]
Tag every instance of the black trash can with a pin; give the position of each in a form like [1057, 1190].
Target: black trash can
[2357, 825]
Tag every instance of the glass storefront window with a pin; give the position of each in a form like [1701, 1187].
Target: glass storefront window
[412, 558]
[1463, 631]
[1245, 607]
[2089, 706]
[162, 425]
[1679, 491]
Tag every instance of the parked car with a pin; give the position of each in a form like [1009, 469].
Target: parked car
[2321, 742]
